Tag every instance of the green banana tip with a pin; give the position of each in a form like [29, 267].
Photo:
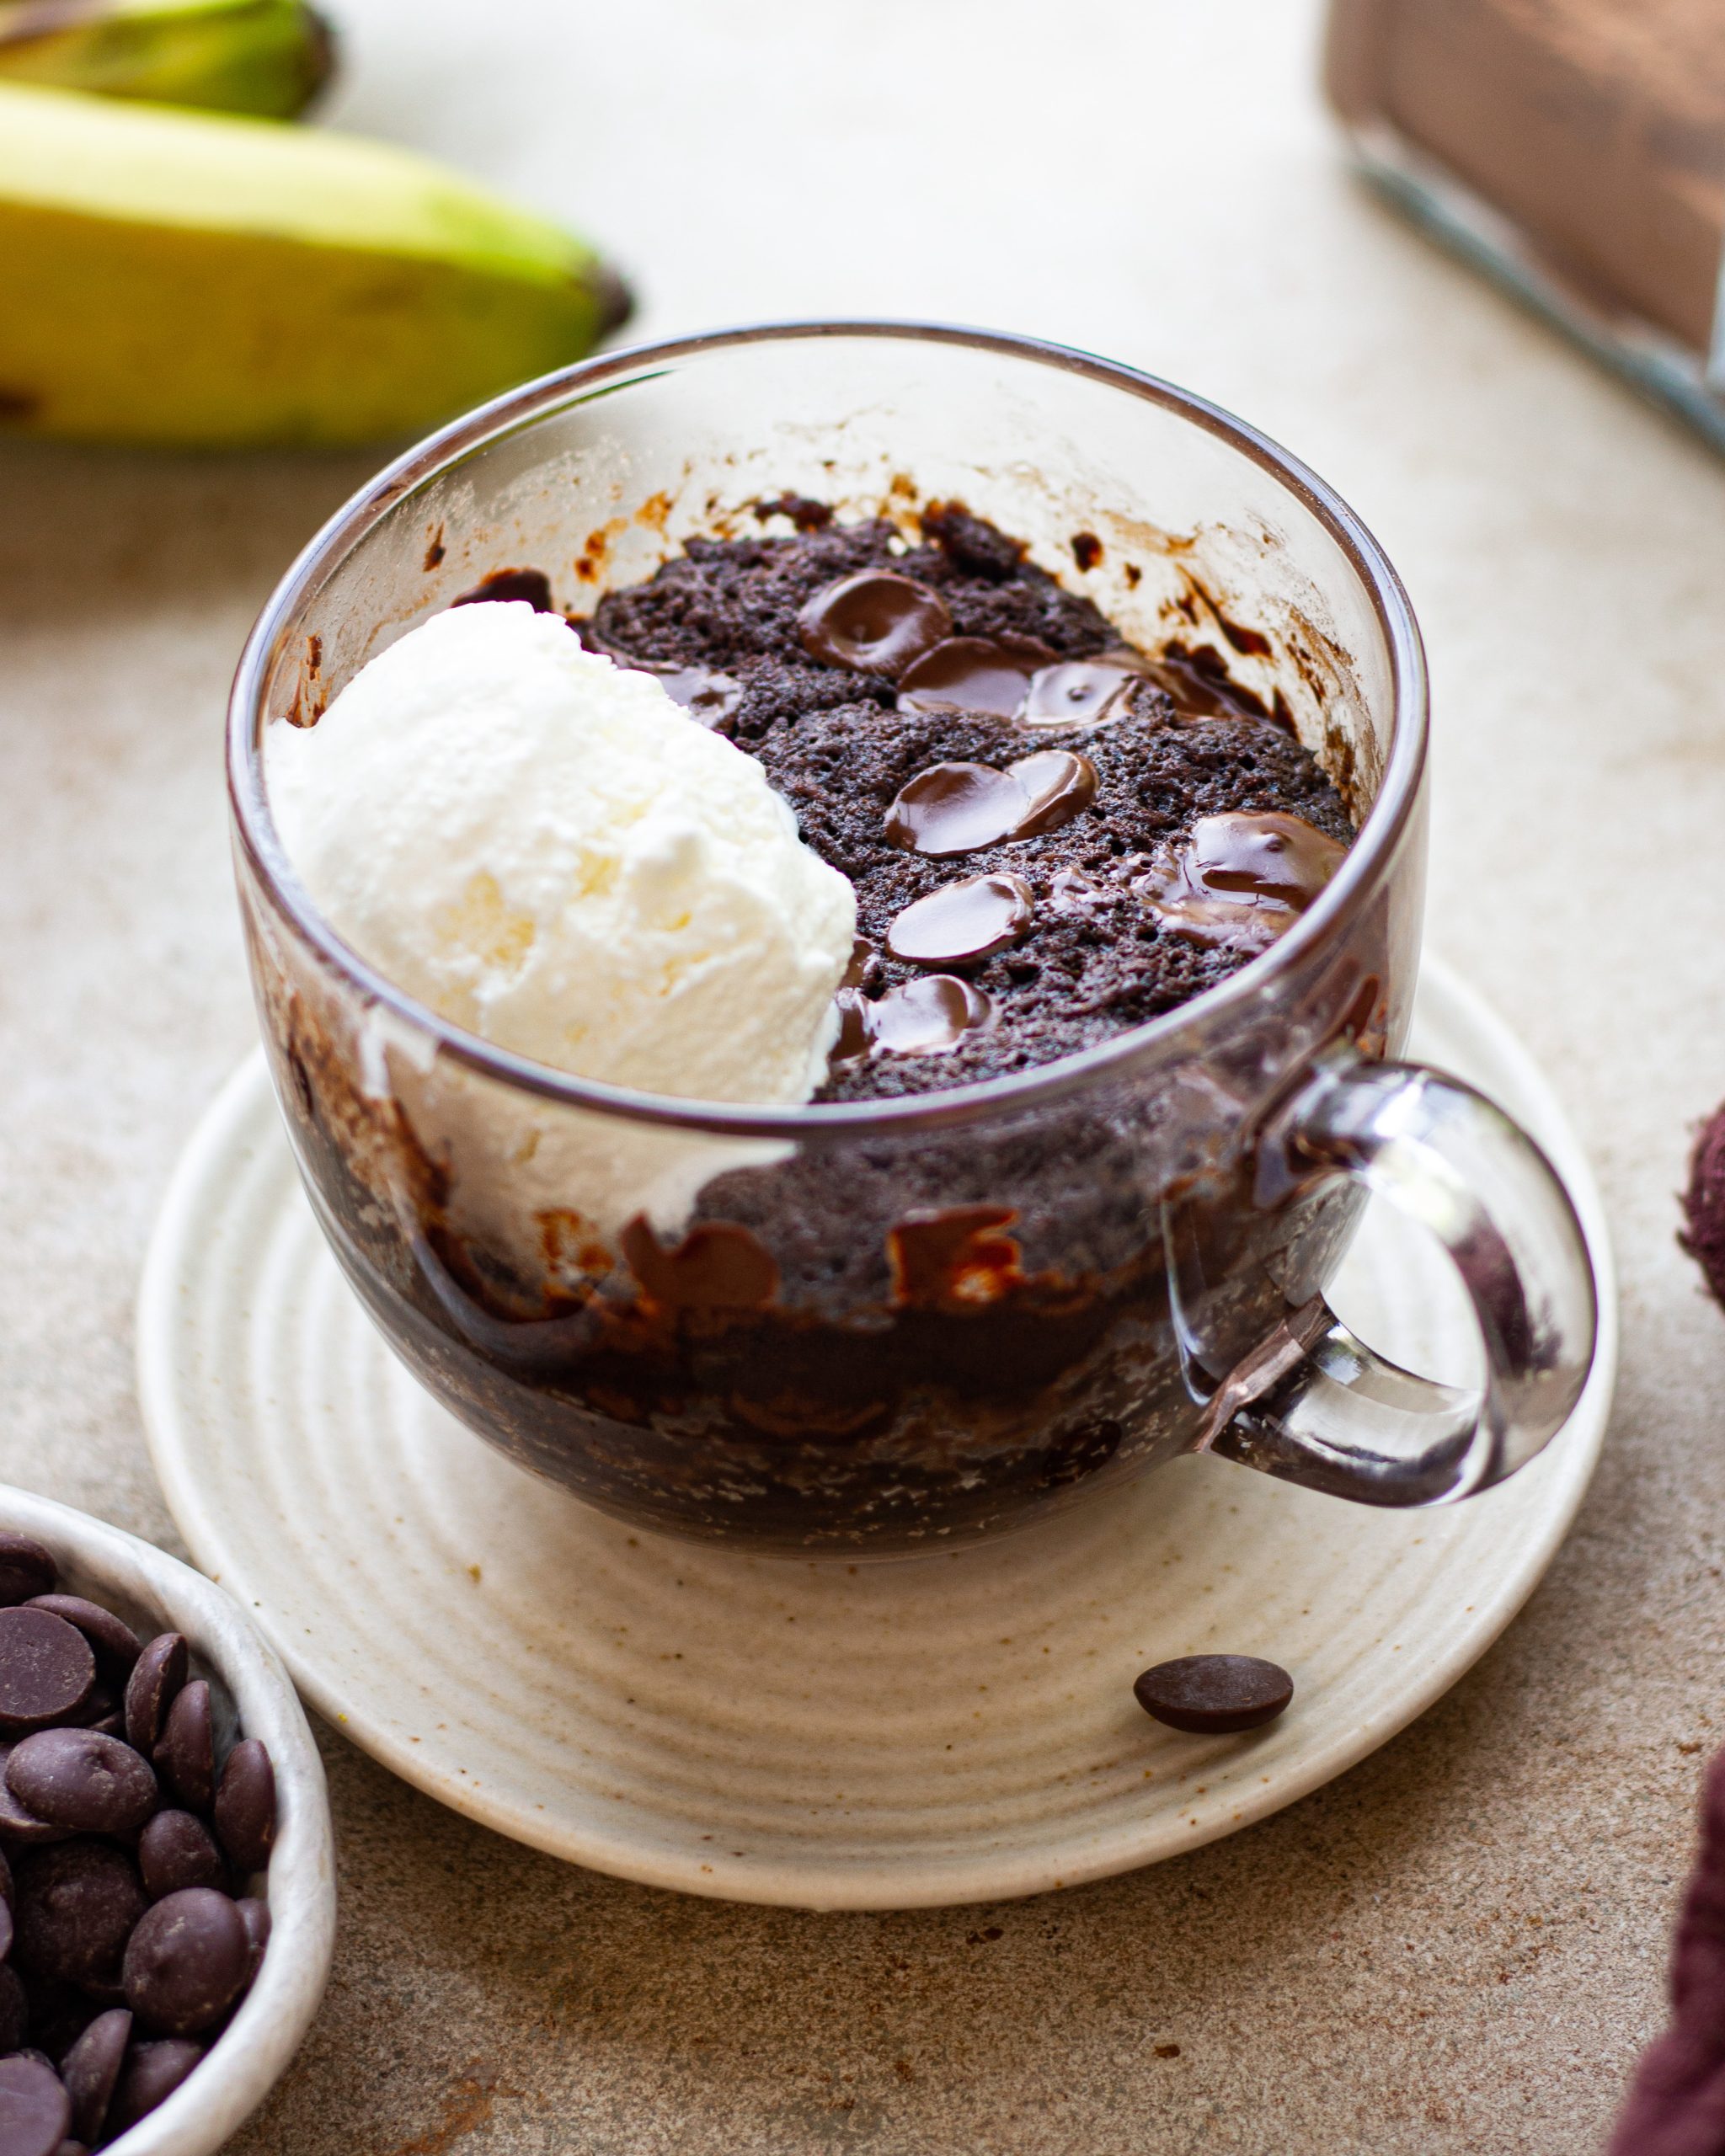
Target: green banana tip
[617, 301]
[323, 55]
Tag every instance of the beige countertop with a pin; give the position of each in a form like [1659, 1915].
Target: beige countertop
[1459, 1944]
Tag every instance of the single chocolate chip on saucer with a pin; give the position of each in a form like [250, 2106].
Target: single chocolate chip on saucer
[1215, 1694]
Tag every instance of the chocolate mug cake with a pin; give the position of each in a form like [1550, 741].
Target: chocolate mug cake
[1057, 1198]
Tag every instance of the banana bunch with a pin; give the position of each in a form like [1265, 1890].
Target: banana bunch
[270, 57]
[192, 278]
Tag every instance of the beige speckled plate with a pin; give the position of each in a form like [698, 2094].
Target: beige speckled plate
[952, 1728]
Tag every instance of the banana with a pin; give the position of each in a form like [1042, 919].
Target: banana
[267, 58]
[169, 277]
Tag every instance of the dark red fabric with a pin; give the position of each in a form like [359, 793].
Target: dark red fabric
[1676, 2104]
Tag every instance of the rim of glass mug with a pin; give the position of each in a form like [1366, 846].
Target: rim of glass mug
[1173, 1034]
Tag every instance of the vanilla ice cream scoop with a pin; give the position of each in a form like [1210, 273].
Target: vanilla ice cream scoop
[551, 853]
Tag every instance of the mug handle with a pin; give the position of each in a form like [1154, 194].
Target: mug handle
[1313, 1404]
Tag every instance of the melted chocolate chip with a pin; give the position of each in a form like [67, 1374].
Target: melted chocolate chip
[927, 1017]
[532, 585]
[854, 1038]
[1197, 679]
[716, 1266]
[1058, 786]
[704, 694]
[962, 921]
[1078, 692]
[1074, 892]
[1272, 855]
[972, 674]
[951, 808]
[1215, 1694]
[1243, 878]
[806, 515]
[875, 622]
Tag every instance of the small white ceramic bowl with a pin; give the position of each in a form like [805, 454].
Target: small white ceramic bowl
[155, 1592]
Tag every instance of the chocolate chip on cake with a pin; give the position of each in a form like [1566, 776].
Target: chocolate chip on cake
[972, 674]
[876, 621]
[962, 921]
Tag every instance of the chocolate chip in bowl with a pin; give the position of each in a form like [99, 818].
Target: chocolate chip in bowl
[168, 1901]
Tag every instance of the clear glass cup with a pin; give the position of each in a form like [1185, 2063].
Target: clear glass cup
[900, 1322]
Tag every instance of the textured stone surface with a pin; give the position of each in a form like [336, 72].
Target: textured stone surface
[1459, 1946]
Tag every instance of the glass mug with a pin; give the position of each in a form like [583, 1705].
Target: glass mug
[893, 1323]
